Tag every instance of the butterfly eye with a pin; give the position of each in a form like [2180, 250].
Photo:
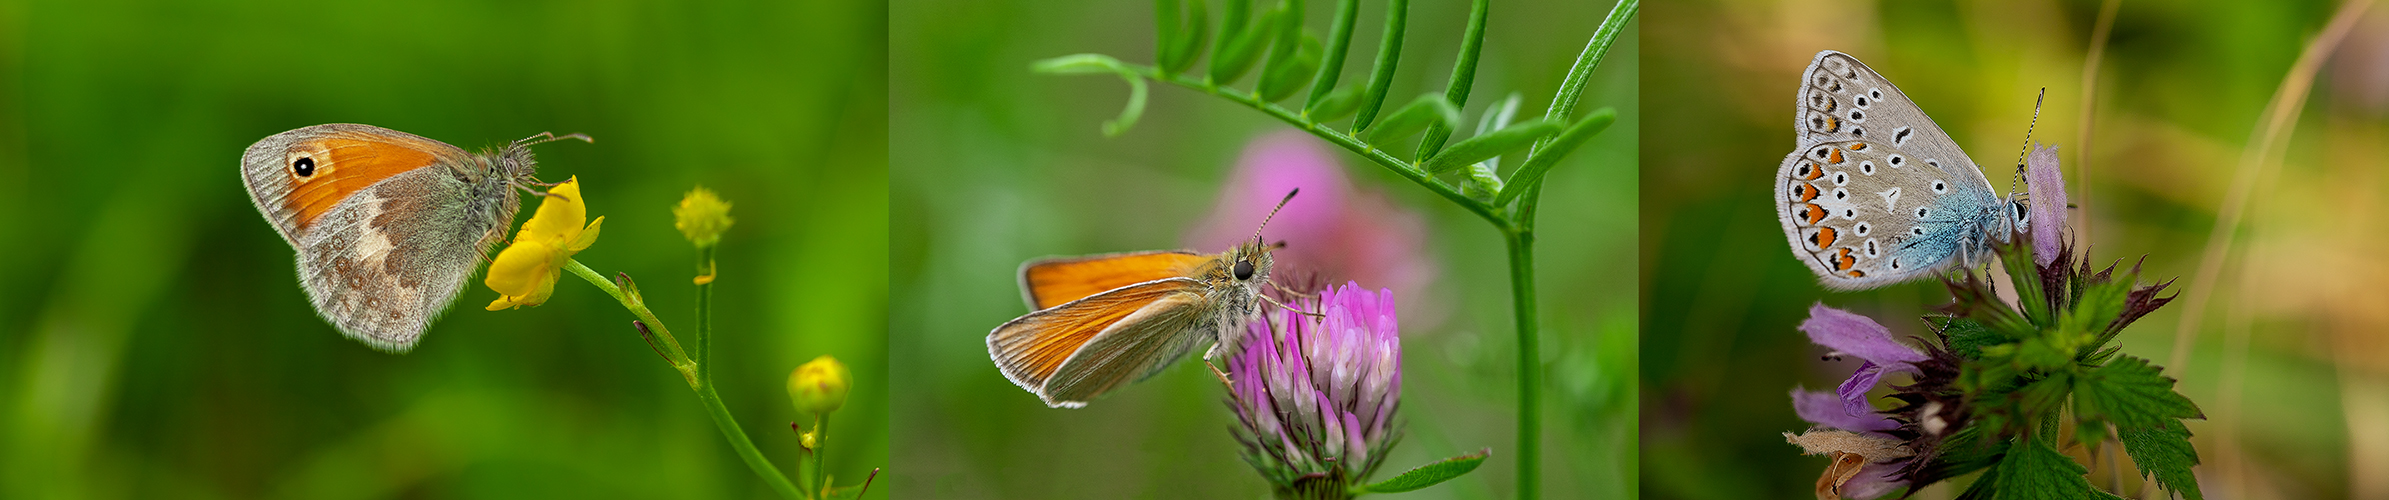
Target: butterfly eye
[1244, 270]
[304, 166]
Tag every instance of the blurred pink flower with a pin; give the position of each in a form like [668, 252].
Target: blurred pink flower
[1333, 232]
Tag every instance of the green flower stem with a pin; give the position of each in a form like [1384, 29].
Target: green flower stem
[821, 440]
[705, 265]
[691, 370]
[638, 307]
[1530, 361]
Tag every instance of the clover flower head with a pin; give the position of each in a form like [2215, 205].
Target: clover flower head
[1315, 395]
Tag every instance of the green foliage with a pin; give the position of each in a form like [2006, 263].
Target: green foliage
[1098, 63]
[1429, 474]
[1412, 118]
[1485, 147]
[2034, 471]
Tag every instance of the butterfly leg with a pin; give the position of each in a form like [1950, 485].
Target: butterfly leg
[1223, 376]
[1291, 308]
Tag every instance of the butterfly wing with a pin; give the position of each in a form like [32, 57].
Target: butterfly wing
[1071, 353]
[1876, 193]
[1045, 283]
[386, 231]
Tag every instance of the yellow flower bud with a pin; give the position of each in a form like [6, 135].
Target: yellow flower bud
[820, 385]
[702, 217]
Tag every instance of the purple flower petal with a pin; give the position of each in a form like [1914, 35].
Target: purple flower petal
[1856, 335]
[1873, 480]
[2046, 183]
[1853, 391]
[1825, 408]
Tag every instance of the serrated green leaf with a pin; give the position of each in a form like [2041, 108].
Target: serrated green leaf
[1079, 64]
[1967, 338]
[1541, 161]
[2096, 307]
[1430, 474]
[1486, 146]
[1238, 52]
[2132, 394]
[2165, 453]
[1281, 78]
[1411, 119]
[2034, 471]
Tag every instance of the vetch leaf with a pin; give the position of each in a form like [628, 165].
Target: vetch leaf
[1486, 146]
[1482, 183]
[1238, 52]
[1338, 104]
[1339, 42]
[1389, 55]
[1180, 36]
[1412, 118]
[1540, 162]
[1430, 474]
[1281, 78]
[1081, 64]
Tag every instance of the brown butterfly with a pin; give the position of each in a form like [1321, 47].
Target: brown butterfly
[387, 224]
[1102, 321]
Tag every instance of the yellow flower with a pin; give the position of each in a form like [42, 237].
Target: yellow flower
[525, 273]
[820, 385]
[702, 217]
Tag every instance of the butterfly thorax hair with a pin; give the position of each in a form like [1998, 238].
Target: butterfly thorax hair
[1234, 281]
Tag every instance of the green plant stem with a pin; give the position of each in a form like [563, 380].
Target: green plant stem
[638, 307]
[1530, 362]
[704, 354]
[821, 439]
[690, 370]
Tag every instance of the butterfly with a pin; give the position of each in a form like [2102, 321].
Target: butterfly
[387, 225]
[1875, 193]
[1102, 321]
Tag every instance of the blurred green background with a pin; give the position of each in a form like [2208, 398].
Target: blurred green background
[993, 165]
[155, 344]
[2288, 358]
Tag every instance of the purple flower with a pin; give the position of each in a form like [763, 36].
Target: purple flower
[1334, 230]
[1315, 395]
[2046, 184]
[1867, 458]
[1854, 335]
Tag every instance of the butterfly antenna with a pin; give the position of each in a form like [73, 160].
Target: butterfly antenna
[547, 137]
[1281, 205]
[2027, 149]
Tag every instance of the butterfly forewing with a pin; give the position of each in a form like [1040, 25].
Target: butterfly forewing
[1875, 193]
[1051, 282]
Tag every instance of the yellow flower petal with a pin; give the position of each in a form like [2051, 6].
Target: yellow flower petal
[559, 216]
[588, 236]
[519, 268]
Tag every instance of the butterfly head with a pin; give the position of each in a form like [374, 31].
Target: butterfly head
[515, 162]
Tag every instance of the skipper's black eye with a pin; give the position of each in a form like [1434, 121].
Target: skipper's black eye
[304, 167]
[1244, 270]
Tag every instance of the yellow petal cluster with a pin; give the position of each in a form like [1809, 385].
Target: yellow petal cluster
[702, 217]
[525, 273]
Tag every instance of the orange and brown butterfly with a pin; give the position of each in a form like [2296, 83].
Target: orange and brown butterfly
[1102, 321]
[388, 225]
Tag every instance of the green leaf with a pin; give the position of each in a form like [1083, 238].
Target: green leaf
[1237, 53]
[1338, 104]
[1482, 183]
[1967, 338]
[1430, 474]
[1389, 55]
[1178, 43]
[1412, 118]
[1486, 146]
[1080, 64]
[2165, 453]
[2034, 471]
[1281, 78]
[1541, 160]
[1339, 42]
[2132, 394]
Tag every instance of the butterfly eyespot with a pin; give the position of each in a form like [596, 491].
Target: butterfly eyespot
[1850, 213]
[1932, 163]
[1917, 231]
[1898, 161]
[1840, 178]
[1940, 187]
[304, 166]
[1899, 136]
[1864, 228]
[1875, 93]
[1863, 101]
[1244, 270]
[1858, 131]
[1872, 250]
[1895, 264]
[1857, 116]
[1921, 211]
[1867, 167]
[1841, 194]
